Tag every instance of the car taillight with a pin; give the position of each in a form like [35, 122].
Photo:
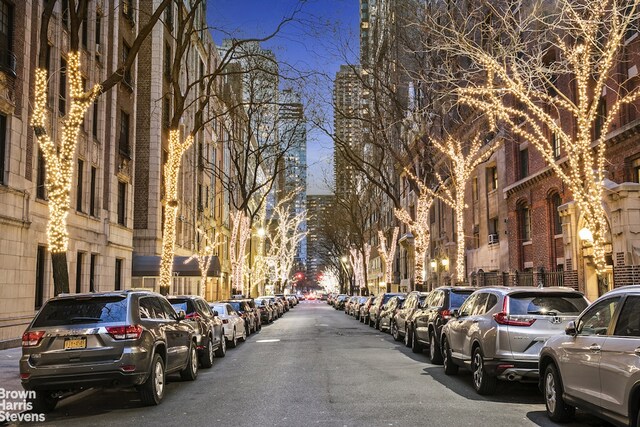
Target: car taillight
[504, 319]
[129, 332]
[193, 315]
[225, 320]
[446, 314]
[32, 338]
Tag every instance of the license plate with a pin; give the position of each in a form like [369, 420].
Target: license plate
[75, 343]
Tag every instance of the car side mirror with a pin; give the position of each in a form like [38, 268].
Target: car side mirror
[455, 313]
[181, 315]
[571, 329]
[215, 313]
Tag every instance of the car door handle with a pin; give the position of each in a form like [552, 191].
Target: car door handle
[594, 347]
[637, 351]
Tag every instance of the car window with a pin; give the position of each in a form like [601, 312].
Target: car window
[596, 320]
[491, 302]
[628, 324]
[467, 306]
[85, 310]
[147, 308]
[203, 308]
[480, 304]
[456, 299]
[169, 312]
[552, 303]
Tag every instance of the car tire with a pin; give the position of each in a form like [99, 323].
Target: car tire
[483, 382]
[43, 402]
[206, 360]
[260, 326]
[152, 390]
[450, 368]
[377, 325]
[395, 333]
[407, 337]
[416, 347]
[247, 331]
[233, 342]
[222, 348]
[557, 409]
[190, 372]
[435, 354]
[244, 336]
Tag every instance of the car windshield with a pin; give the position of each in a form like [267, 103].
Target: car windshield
[552, 304]
[456, 298]
[182, 304]
[387, 297]
[219, 308]
[82, 310]
[236, 306]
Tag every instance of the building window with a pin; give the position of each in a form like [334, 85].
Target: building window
[166, 112]
[65, 13]
[524, 219]
[79, 260]
[123, 144]
[524, 163]
[474, 189]
[85, 33]
[40, 262]
[128, 79]
[4, 146]
[492, 178]
[98, 29]
[6, 34]
[118, 275]
[636, 174]
[555, 145]
[476, 236]
[167, 60]
[93, 190]
[62, 99]
[92, 272]
[94, 125]
[168, 16]
[556, 201]
[41, 176]
[122, 202]
[79, 186]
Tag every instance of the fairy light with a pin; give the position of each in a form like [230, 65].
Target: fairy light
[591, 64]
[177, 147]
[387, 257]
[59, 158]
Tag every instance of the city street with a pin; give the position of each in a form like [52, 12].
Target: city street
[316, 366]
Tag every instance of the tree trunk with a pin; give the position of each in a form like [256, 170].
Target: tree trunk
[60, 273]
[460, 267]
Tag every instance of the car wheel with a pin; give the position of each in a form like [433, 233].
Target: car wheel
[394, 331]
[233, 342]
[377, 325]
[434, 350]
[260, 326]
[247, 331]
[43, 402]
[206, 360]
[190, 372]
[450, 368]
[483, 382]
[243, 338]
[407, 337]
[222, 348]
[152, 390]
[416, 347]
[557, 410]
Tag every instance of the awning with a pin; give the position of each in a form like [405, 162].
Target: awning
[149, 266]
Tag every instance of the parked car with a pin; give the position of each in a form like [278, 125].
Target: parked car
[267, 312]
[300, 297]
[350, 302]
[277, 306]
[354, 309]
[376, 307]
[120, 338]
[400, 325]
[248, 313]
[209, 333]
[364, 309]
[595, 364]
[340, 301]
[293, 299]
[388, 311]
[427, 322]
[232, 322]
[498, 332]
[285, 300]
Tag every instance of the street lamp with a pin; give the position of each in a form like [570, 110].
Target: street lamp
[585, 235]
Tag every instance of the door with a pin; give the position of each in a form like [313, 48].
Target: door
[620, 357]
[176, 351]
[580, 355]
[471, 324]
[458, 327]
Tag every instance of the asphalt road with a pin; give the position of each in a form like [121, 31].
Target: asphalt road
[316, 367]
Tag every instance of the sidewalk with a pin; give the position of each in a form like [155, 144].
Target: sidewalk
[9, 369]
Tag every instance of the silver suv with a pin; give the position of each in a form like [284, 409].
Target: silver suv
[596, 364]
[498, 332]
[123, 338]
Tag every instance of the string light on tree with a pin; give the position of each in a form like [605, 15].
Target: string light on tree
[388, 256]
[177, 148]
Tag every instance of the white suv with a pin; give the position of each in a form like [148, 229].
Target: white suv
[596, 365]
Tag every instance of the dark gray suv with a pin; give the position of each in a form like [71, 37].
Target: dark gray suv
[111, 339]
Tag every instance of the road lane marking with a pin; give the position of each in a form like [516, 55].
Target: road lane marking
[274, 340]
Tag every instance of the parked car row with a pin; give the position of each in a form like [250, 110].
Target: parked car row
[581, 355]
[132, 338]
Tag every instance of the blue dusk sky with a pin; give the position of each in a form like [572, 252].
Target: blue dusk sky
[323, 36]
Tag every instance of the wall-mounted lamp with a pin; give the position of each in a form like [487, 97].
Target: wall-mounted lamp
[434, 264]
[444, 262]
[585, 234]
